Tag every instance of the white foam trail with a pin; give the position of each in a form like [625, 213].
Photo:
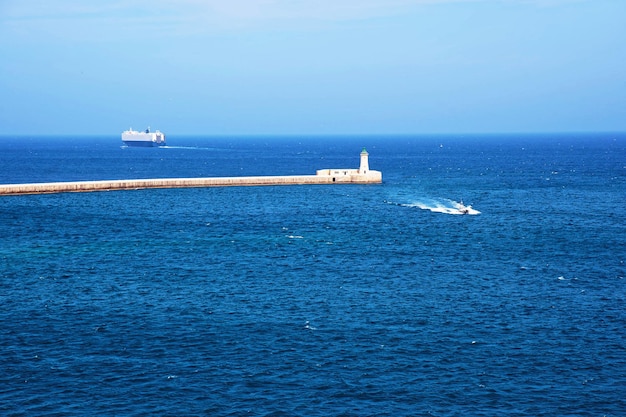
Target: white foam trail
[441, 206]
[185, 147]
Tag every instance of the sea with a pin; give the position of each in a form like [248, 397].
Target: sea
[317, 300]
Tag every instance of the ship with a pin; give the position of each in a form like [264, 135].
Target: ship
[132, 137]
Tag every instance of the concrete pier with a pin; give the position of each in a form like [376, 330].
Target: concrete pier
[363, 175]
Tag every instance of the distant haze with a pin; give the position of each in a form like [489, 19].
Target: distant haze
[319, 67]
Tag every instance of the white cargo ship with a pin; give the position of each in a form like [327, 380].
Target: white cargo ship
[134, 138]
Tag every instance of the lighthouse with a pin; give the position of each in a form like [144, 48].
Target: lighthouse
[365, 165]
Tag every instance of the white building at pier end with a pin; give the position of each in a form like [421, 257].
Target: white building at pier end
[351, 175]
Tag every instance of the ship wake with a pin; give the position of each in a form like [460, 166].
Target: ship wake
[443, 206]
[187, 147]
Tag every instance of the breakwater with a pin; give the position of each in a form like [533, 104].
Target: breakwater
[87, 186]
[363, 175]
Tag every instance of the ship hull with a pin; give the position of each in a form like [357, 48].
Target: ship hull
[142, 144]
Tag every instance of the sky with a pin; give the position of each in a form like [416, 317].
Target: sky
[305, 67]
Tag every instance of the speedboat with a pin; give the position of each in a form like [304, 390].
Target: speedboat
[463, 209]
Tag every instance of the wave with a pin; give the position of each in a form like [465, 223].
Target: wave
[444, 206]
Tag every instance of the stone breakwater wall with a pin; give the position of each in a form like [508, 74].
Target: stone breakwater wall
[372, 177]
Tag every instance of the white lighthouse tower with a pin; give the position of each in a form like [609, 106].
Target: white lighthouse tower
[365, 165]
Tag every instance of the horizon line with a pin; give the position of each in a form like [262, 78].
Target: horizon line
[291, 135]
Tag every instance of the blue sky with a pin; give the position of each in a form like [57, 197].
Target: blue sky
[283, 67]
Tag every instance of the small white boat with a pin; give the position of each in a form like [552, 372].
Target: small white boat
[463, 209]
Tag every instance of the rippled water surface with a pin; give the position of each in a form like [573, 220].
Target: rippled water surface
[317, 300]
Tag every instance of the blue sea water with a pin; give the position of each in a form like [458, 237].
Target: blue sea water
[352, 300]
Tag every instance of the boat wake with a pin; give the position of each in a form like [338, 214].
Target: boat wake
[444, 206]
[186, 147]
